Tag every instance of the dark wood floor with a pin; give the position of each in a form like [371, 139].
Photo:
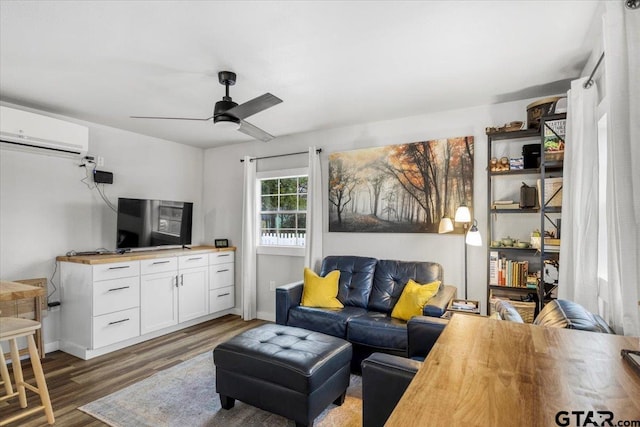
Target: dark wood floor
[75, 382]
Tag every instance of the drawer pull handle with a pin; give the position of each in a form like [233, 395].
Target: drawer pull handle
[194, 259]
[119, 267]
[118, 289]
[182, 280]
[161, 262]
[119, 321]
[223, 295]
[176, 280]
[222, 271]
[220, 256]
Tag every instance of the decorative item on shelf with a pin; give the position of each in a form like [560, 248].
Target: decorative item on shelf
[501, 165]
[535, 239]
[553, 140]
[507, 242]
[516, 163]
[527, 196]
[540, 108]
[508, 127]
[505, 204]
[531, 156]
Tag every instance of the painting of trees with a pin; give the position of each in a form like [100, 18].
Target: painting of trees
[403, 188]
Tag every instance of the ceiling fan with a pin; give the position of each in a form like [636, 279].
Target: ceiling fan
[229, 113]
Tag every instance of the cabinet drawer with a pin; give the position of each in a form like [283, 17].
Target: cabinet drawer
[114, 327]
[189, 261]
[115, 295]
[221, 275]
[221, 299]
[160, 265]
[221, 257]
[116, 270]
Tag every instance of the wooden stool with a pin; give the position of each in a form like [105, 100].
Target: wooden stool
[12, 328]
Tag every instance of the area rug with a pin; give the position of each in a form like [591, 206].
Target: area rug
[185, 395]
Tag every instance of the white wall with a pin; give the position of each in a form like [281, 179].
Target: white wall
[46, 211]
[223, 195]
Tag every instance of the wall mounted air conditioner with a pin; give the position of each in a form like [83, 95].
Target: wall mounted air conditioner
[23, 130]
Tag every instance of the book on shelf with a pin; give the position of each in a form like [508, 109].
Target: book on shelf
[552, 192]
[505, 206]
[554, 135]
[512, 273]
[493, 267]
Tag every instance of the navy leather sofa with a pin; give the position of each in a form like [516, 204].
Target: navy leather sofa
[369, 289]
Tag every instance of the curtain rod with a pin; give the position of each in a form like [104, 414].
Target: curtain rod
[319, 150]
[589, 81]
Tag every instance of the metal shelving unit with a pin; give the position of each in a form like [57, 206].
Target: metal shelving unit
[541, 215]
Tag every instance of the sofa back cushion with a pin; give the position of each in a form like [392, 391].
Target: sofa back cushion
[391, 277]
[356, 278]
[568, 314]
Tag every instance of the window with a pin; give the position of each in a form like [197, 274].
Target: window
[283, 208]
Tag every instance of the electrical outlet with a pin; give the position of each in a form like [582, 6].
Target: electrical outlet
[272, 285]
[100, 161]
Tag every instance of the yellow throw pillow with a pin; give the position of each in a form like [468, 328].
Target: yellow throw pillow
[413, 299]
[321, 291]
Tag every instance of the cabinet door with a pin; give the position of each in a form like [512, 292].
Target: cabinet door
[193, 293]
[158, 301]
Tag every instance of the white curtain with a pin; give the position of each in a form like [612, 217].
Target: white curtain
[578, 276]
[622, 85]
[249, 288]
[313, 248]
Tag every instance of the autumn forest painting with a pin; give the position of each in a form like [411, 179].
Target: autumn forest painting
[403, 188]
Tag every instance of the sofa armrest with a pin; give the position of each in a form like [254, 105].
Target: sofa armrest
[384, 380]
[287, 296]
[437, 305]
[422, 334]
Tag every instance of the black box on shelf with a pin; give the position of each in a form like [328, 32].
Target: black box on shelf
[531, 154]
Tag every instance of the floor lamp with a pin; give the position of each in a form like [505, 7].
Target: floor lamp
[472, 237]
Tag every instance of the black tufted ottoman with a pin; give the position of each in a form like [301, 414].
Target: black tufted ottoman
[289, 371]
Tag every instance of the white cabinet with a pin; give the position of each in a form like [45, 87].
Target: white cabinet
[221, 281]
[108, 304]
[158, 294]
[193, 288]
[101, 305]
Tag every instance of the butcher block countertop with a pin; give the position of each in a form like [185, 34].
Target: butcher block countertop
[140, 255]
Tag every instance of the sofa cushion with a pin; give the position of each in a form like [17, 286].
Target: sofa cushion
[391, 277]
[375, 329]
[413, 299]
[320, 291]
[325, 320]
[570, 315]
[506, 311]
[356, 278]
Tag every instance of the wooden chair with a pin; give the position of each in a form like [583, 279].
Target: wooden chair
[12, 328]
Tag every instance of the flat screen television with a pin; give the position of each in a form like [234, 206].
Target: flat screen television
[146, 223]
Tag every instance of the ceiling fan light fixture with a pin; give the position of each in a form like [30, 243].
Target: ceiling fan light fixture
[226, 122]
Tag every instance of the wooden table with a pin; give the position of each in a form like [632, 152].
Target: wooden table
[15, 291]
[485, 372]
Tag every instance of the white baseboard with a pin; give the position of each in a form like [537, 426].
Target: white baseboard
[266, 315]
[51, 346]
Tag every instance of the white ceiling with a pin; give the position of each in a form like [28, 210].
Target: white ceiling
[334, 63]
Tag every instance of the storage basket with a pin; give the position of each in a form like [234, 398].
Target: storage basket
[526, 309]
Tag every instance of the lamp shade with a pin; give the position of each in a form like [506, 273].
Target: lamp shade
[473, 236]
[446, 225]
[463, 214]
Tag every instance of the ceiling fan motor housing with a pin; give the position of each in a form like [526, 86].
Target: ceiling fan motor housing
[220, 108]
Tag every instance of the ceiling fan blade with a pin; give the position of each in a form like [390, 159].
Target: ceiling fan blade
[254, 106]
[256, 132]
[169, 118]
